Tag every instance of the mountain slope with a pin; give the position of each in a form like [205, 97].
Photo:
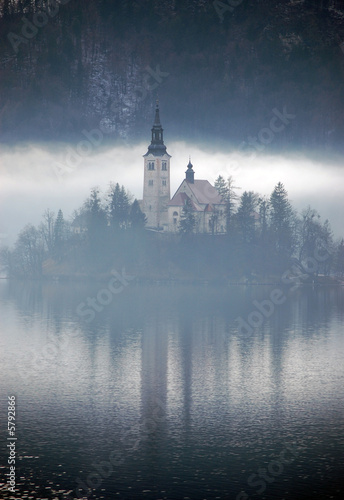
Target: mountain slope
[101, 64]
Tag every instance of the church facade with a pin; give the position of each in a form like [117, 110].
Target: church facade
[162, 212]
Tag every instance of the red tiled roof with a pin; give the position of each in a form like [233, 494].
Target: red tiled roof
[180, 199]
[205, 193]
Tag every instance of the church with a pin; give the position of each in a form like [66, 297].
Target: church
[163, 213]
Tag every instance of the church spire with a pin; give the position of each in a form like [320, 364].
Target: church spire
[157, 115]
[190, 174]
[157, 146]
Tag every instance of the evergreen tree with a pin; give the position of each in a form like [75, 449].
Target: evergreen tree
[340, 259]
[264, 247]
[98, 250]
[282, 221]
[245, 216]
[187, 223]
[118, 207]
[137, 218]
[264, 207]
[59, 227]
[221, 187]
[227, 192]
[95, 216]
[59, 235]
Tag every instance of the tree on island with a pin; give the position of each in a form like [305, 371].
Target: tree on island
[282, 220]
[96, 247]
[245, 216]
[137, 218]
[47, 229]
[95, 214]
[118, 207]
[29, 253]
[340, 259]
[187, 223]
[226, 190]
[59, 235]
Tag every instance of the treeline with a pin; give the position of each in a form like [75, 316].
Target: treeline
[265, 238]
[98, 232]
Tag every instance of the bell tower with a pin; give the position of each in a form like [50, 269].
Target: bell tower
[156, 183]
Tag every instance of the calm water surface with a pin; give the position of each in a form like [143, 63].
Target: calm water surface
[161, 396]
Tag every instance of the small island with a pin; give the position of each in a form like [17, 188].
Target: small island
[203, 234]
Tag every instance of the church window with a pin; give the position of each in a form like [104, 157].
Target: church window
[175, 214]
[151, 165]
[164, 183]
[150, 183]
[164, 166]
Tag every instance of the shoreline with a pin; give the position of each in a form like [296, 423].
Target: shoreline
[320, 281]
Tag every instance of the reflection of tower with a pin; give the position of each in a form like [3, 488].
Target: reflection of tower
[154, 365]
[156, 186]
[154, 391]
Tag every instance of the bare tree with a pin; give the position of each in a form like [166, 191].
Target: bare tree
[47, 229]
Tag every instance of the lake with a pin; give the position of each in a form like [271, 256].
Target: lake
[183, 392]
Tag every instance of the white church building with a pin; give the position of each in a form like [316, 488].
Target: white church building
[163, 212]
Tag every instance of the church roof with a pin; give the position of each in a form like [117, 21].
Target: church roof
[205, 193]
[179, 200]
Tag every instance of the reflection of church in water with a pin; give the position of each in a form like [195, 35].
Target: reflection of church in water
[162, 212]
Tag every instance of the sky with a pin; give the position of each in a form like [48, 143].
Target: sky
[35, 177]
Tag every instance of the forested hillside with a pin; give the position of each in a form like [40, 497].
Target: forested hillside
[219, 69]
